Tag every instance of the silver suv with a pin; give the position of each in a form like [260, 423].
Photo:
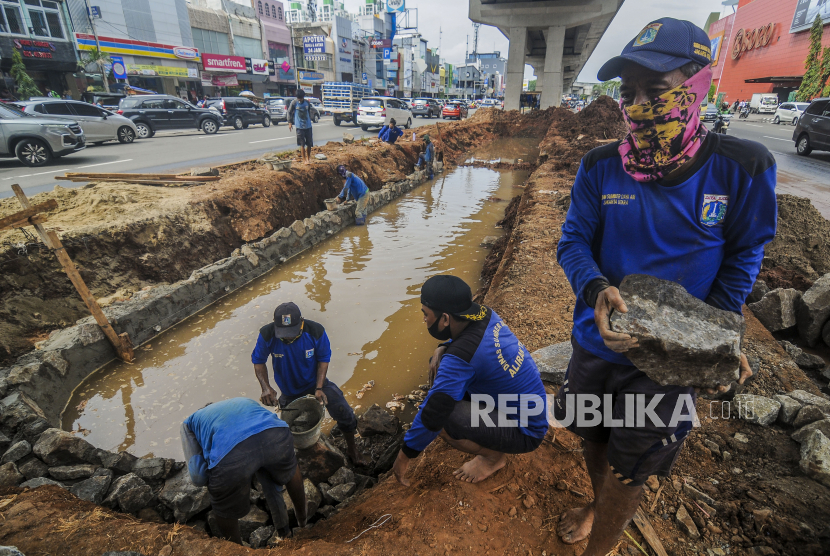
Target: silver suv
[36, 140]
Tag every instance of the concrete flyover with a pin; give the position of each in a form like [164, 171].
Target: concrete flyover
[555, 37]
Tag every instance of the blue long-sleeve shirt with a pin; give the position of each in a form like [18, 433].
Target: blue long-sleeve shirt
[429, 152]
[389, 134]
[486, 358]
[354, 186]
[706, 231]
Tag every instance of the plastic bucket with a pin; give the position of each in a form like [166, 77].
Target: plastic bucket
[310, 437]
[331, 204]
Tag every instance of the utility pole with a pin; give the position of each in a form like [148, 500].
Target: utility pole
[476, 27]
[97, 47]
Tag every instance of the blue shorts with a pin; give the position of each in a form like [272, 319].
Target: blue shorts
[636, 450]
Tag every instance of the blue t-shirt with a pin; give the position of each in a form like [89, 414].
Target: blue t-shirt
[302, 114]
[486, 358]
[354, 186]
[294, 364]
[222, 425]
[390, 135]
[705, 231]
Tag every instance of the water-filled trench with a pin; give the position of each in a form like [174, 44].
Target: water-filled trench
[362, 285]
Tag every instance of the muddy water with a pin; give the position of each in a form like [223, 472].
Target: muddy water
[511, 151]
[363, 285]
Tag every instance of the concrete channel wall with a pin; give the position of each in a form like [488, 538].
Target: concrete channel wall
[41, 382]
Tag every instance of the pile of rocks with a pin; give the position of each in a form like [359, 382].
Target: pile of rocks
[807, 413]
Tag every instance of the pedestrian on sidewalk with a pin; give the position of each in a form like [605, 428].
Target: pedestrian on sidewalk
[673, 201]
[300, 114]
[300, 354]
[356, 188]
[225, 444]
[390, 133]
[479, 363]
[427, 156]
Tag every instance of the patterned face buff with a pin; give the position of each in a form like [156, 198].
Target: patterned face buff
[666, 132]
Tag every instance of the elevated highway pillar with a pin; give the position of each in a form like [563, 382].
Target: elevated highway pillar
[515, 67]
[551, 79]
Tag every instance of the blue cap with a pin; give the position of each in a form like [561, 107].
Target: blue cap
[663, 45]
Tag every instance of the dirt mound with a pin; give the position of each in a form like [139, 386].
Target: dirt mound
[603, 119]
[802, 241]
[783, 278]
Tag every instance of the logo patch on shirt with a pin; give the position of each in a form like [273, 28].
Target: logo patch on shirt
[286, 320]
[277, 354]
[714, 209]
[309, 353]
[648, 34]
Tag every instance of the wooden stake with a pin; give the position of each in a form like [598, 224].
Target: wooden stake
[644, 525]
[25, 214]
[123, 346]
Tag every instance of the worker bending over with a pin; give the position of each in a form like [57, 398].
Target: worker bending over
[355, 187]
[427, 156]
[390, 133]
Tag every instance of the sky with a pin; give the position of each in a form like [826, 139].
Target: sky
[447, 20]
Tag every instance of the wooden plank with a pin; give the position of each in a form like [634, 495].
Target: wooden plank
[171, 177]
[648, 532]
[31, 221]
[138, 182]
[12, 220]
[123, 346]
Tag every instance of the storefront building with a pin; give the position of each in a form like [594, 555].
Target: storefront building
[761, 48]
[41, 32]
[277, 46]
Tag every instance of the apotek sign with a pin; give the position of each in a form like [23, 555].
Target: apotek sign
[749, 39]
[220, 62]
[314, 44]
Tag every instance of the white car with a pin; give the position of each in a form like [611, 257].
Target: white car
[377, 111]
[99, 124]
[789, 112]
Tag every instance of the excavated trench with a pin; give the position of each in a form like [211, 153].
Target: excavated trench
[362, 285]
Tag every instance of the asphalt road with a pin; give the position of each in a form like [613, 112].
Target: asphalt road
[805, 176]
[172, 152]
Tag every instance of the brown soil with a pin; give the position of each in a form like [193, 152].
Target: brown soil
[802, 241]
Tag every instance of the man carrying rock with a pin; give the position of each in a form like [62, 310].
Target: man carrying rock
[226, 443]
[300, 355]
[487, 398]
[671, 201]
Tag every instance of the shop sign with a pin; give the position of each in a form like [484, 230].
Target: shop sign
[395, 6]
[256, 66]
[316, 57]
[806, 12]
[160, 71]
[749, 39]
[221, 62]
[311, 77]
[346, 60]
[185, 52]
[307, 89]
[215, 80]
[344, 46]
[314, 44]
[34, 49]
[381, 43]
[119, 70]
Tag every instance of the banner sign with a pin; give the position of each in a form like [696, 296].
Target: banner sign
[215, 80]
[381, 43]
[395, 6]
[119, 71]
[314, 44]
[160, 71]
[806, 11]
[311, 77]
[221, 62]
[256, 66]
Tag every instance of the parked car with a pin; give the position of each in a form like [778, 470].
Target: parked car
[99, 125]
[277, 109]
[710, 113]
[151, 113]
[35, 141]
[377, 111]
[426, 108]
[812, 131]
[109, 101]
[240, 112]
[789, 112]
[454, 109]
[318, 105]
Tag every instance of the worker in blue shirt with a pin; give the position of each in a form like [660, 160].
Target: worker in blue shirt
[390, 133]
[427, 156]
[225, 444]
[673, 201]
[301, 114]
[300, 354]
[487, 398]
[356, 188]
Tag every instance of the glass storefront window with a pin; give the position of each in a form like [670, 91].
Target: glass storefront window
[211, 41]
[43, 15]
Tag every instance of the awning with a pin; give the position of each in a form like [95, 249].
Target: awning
[776, 79]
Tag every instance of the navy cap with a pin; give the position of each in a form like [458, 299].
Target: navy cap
[663, 45]
[287, 321]
[450, 294]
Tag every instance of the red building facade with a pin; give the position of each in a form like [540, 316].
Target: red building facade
[757, 52]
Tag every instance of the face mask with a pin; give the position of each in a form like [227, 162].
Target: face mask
[666, 132]
[441, 335]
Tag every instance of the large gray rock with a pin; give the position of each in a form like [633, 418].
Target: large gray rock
[776, 310]
[759, 290]
[682, 340]
[70, 472]
[804, 360]
[685, 523]
[17, 451]
[343, 475]
[813, 309]
[93, 489]
[130, 493]
[183, 497]
[153, 469]
[5, 442]
[9, 475]
[339, 493]
[32, 430]
[377, 420]
[10, 551]
[313, 499]
[825, 333]
[806, 398]
[789, 409]
[804, 432]
[120, 461]
[815, 457]
[39, 482]
[34, 468]
[757, 409]
[809, 414]
[56, 447]
[18, 409]
[321, 461]
[254, 519]
[259, 538]
[552, 361]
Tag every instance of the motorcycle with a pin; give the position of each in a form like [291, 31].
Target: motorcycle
[744, 113]
[721, 125]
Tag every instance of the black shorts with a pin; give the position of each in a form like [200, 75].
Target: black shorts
[229, 483]
[507, 440]
[304, 138]
[636, 450]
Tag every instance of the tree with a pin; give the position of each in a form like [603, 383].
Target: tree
[824, 71]
[712, 90]
[25, 85]
[811, 84]
[100, 59]
[531, 85]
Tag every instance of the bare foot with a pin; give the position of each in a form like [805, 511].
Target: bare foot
[479, 468]
[575, 524]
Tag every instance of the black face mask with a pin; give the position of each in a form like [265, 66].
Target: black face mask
[442, 335]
